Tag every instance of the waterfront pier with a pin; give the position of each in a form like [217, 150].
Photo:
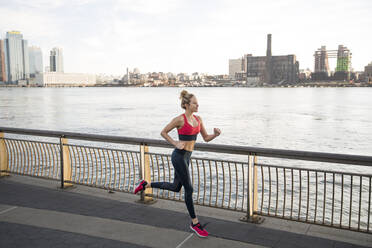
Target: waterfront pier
[70, 189]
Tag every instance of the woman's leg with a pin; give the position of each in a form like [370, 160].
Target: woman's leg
[180, 165]
[175, 186]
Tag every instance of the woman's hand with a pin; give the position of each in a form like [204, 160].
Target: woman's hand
[180, 145]
[217, 132]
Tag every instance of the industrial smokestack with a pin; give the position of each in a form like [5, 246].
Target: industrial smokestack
[268, 51]
[268, 69]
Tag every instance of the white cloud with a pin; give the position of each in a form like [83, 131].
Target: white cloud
[47, 4]
[187, 35]
[29, 23]
[147, 7]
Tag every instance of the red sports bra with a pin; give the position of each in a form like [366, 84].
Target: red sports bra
[188, 132]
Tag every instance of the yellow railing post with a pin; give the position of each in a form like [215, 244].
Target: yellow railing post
[66, 171]
[146, 195]
[255, 186]
[252, 194]
[250, 190]
[4, 160]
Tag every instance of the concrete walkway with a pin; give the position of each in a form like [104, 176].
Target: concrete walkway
[35, 213]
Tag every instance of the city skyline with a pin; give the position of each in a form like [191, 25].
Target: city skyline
[180, 36]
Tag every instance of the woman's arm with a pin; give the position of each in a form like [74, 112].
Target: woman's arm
[208, 137]
[175, 123]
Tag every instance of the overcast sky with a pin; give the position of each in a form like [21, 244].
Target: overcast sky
[106, 36]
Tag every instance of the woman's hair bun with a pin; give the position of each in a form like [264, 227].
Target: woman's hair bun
[183, 94]
[185, 98]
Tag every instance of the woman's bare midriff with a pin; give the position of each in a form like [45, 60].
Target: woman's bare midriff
[189, 145]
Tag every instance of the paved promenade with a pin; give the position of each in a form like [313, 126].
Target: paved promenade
[35, 213]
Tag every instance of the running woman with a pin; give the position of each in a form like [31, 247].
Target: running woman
[188, 126]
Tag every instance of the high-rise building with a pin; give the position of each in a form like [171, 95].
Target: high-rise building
[36, 60]
[16, 57]
[368, 72]
[235, 66]
[322, 70]
[2, 62]
[343, 69]
[343, 59]
[56, 60]
[321, 62]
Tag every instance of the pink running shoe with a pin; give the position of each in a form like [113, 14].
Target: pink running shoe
[199, 230]
[140, 187]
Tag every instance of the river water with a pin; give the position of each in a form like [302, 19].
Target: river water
[336, 120]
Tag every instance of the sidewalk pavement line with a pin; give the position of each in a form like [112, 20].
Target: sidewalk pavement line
[7, 210]
[119, 230]
[178, 246]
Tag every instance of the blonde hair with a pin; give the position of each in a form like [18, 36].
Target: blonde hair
[185, 98]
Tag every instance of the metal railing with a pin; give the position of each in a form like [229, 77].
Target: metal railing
[329, 197]
[34, 158]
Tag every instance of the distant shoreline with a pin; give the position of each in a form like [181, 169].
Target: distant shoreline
[207, 86]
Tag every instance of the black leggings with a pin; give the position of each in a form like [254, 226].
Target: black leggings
[180, 161]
